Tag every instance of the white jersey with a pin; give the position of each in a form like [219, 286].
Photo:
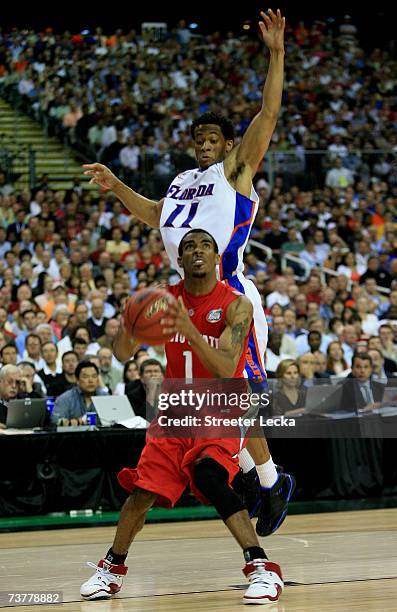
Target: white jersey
[204, 199]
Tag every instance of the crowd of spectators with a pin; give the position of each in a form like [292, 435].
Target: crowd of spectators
[68, 260]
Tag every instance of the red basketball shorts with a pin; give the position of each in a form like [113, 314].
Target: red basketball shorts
[166, 465]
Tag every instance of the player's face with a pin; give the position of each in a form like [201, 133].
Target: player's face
[198, 256]
[210, 145]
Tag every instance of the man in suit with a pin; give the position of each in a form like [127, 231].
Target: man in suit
[359, 391]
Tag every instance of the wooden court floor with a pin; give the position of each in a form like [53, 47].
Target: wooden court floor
[332, 562]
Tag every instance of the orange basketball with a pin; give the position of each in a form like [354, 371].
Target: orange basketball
[143, 312]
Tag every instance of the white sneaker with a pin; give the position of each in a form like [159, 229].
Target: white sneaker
[266, 582]
[106, 582]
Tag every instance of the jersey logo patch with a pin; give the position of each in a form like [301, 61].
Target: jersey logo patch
[214, 315]
[190, 312]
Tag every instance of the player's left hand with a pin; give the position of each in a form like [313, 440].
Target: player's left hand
[272, 29]
[178, 320]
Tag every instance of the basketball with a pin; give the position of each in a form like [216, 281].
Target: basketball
[143, 313]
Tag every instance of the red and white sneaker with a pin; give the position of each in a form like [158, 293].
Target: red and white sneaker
[106, 582]
[266, 582]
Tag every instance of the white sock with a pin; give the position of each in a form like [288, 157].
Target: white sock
[267, 473]
[246, 461]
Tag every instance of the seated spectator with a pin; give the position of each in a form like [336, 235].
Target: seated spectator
[290, 322]
[51, 373]
[44, 331]
[111, 328]
[67, 379]
[374, 270]
[302, 341]
[30, 382]
[288, 344]
[81, 313]
[130, 373]
[273, 353]
[327, 300]
[314, 341]
[320, 367]
[117, 246]
[29, 318]
[279, 295]
[8, 354]
[339, 177]
[9, 386]
[336, 363]
[374, 343]
[141, 393]
[349, 267]
[290, 397]
[307, 365]
[96, 322]
[111, 376]
[59, 320]
[390, 313]
[80, 347]
[389, 347]
[71, 407]
[369, 321]
[158, 353]
[253, 265]
[378, 366]
[32, 351]
[349, 339]
[359, 391]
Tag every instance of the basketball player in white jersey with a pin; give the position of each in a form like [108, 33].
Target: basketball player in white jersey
[218, 196]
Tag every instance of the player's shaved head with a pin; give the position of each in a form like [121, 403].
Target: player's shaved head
[197, 231]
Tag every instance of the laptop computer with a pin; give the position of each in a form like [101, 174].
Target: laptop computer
[27, 413]
[112, 409]
[323, 399]
[389, 397]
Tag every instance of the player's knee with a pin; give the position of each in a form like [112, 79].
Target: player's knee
[141, 501]
[209, 473]
[211, 479]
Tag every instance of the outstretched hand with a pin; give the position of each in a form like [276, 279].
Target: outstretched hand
[100, 175]
[272, 29]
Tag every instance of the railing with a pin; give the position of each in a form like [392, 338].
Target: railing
[258, 245]
[324, 271]
[308, 168]
[298, 262]
[12, 155]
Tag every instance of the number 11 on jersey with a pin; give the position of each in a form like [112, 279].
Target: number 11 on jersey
[177, 211]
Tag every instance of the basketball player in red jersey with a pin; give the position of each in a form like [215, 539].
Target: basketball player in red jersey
[209, 465]
[219, 197]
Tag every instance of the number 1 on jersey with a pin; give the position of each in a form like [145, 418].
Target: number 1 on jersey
[175, 213]
[188, 364]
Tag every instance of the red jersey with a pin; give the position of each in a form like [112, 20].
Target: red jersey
[208, 314]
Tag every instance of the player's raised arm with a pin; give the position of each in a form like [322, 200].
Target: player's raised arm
[222, 361]
[256, 139]
[124, 344]
[147, 211]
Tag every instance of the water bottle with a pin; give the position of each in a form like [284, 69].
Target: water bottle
[91, 418]
[50, 401]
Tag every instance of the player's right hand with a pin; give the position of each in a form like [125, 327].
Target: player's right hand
[101, 175]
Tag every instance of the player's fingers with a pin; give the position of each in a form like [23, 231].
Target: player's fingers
[167, 321]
